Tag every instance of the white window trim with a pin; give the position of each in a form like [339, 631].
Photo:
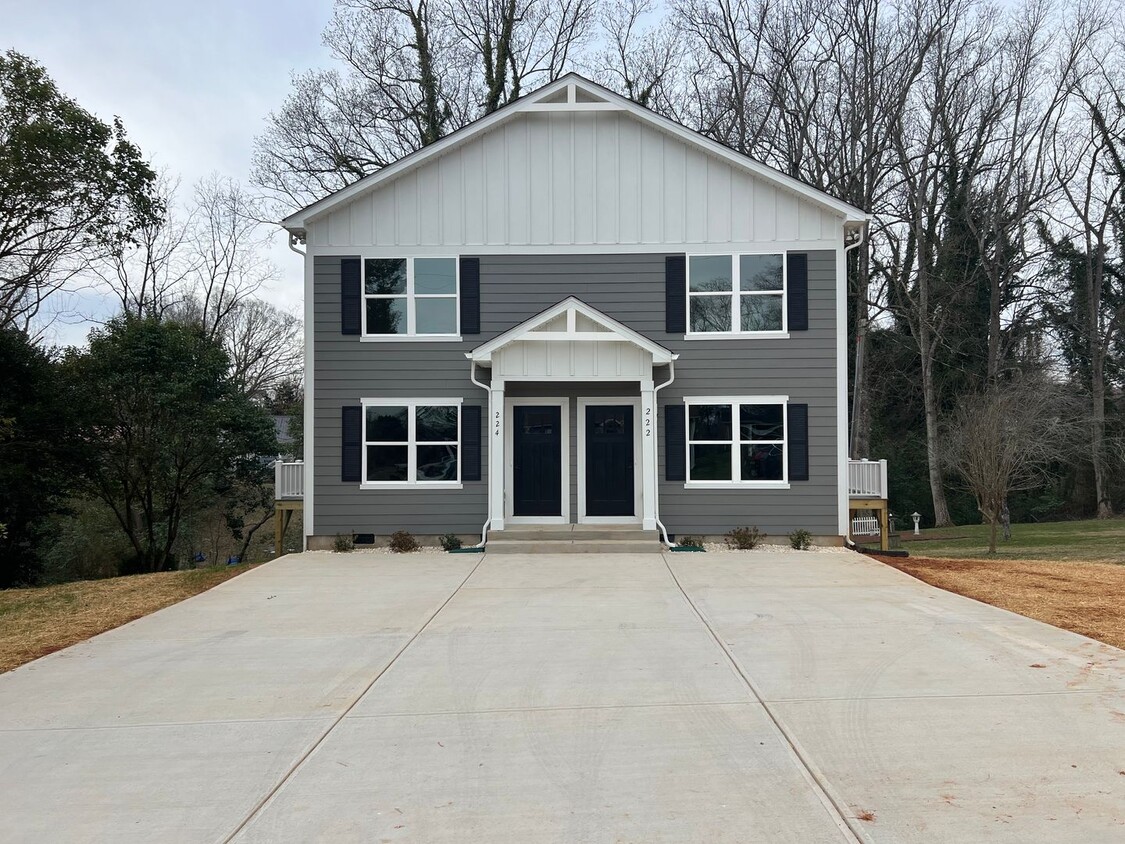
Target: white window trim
[411, 297]
[735, 441]
[411, 443]
[735, 297]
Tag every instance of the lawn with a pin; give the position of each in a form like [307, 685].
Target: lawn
[39, 621]
[1069, 574]
[1092, 541]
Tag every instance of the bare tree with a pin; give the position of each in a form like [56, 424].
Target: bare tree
[1087, 244]
[149, 275]
[1003, 439]
[641, 61]
[264, 344]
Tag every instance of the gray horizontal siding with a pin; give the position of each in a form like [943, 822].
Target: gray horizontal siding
[629, 288]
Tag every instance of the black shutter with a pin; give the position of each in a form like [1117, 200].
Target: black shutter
[675, 435]
[470, 295]
[675, 294]
[351, 444]
[798, 442]
[351, 296]
[797, 280]
[470, 442]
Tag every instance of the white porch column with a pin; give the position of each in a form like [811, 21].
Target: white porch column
[496, 453]
[648, 456]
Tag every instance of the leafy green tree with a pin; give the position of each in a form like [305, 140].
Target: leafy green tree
[71, 186]
[35, 442]
[164, 428]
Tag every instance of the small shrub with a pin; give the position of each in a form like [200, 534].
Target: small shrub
[403, 542]
[344, 543]
[744, 538]
[450, 542]
[689, 542]
[800, 540]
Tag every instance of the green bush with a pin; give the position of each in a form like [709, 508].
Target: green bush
[403, 542]
[689, 542]
[85, 543]
[744, 538]
[344, 544]
[450, 542]
[800, 540]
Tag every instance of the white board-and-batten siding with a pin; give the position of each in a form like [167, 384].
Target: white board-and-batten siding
[574, 179]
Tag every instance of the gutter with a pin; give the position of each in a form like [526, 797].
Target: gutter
[655, 440]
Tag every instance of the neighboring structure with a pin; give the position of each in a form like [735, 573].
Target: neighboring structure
[575, 311]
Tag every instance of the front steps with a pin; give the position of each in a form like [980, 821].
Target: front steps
[573, 539]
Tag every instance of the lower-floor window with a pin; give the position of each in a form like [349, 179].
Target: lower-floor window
[411, 441]
[736, 440]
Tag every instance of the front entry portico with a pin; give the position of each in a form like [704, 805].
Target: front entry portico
[530, 436]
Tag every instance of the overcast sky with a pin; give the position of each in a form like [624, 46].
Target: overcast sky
[193, 82]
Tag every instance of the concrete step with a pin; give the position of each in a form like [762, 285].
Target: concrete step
[578, 546]
[573, 533]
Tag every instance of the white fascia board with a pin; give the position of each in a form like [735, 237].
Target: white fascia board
[300, 220]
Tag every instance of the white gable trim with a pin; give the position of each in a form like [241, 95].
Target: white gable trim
[572, 308]
[540, 100]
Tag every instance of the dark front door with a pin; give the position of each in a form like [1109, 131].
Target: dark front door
[609, 460]
[537, 460]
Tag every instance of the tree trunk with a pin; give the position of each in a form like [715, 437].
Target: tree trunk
[933, 459]
[992, 535]
[1097, 443]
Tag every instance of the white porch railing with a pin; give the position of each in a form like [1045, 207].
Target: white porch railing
[288, 480]
[867, 478]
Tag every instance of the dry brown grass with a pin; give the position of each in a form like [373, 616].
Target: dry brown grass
[36, 622]
[1087, 598]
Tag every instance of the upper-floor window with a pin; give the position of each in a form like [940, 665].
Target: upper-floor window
[738, 440]
[410, 297]
[736, 294]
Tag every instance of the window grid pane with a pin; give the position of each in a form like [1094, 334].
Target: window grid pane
[412, 443]
[410, 296]
[755, 452]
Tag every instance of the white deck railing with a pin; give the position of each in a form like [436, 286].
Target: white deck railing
[288, 480]
[867, 478]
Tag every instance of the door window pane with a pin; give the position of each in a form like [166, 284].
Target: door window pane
[762, 463]
[710, 462]
[759, 272]
[436, 424]
[437, 462]
[385, 275]
[386, 424]
[761, 313]
[709, 422]
[386, 462]
[386, 316]
[435, 316]
[709, 273]
[435, 275]
[710, 313]
[762, 421]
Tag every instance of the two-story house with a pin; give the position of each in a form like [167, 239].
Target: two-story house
[575, 311]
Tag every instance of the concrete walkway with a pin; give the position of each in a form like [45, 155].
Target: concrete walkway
[770, 697]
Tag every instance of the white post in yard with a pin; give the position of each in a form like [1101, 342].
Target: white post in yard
[647, 424]
[917, 517]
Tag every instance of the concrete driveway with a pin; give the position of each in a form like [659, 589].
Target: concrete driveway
[770, 697]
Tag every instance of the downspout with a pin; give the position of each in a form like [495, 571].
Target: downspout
[293, 244]
[655, 409]
[487, 395]
[859, 353]
[859, 356]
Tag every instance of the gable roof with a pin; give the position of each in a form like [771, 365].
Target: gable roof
[577, 94]
[571, 307]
